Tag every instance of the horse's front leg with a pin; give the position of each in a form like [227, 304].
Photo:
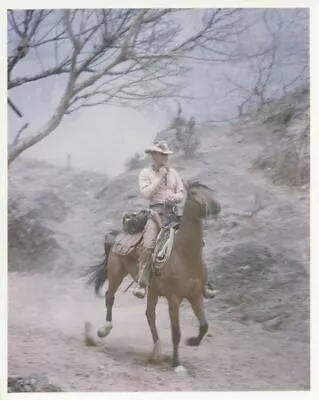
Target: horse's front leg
[152, 299]
[173, 306]
[197, 304]
[116, 276]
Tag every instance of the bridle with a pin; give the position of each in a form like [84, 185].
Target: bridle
[203, 205]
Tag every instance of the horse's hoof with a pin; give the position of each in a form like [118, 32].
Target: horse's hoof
[90, 342]
[89, 338]
[105, 330]
[139, 293]
[156, 353]
[209, 293]
[180, 370]
[193, 341]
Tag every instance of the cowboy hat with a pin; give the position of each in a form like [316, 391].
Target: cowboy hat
[159, 147]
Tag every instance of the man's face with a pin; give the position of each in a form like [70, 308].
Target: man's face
[160, 159]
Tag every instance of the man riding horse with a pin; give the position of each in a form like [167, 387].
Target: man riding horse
[158, 183]
[179, 270]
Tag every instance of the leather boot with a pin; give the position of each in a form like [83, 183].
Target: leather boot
[144, 267]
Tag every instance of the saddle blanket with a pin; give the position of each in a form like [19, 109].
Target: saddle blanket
[125, 243]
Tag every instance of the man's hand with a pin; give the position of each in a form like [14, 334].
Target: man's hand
[163, 172]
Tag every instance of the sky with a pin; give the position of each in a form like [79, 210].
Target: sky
[102, 138]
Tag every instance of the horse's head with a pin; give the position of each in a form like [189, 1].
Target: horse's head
[203, 196]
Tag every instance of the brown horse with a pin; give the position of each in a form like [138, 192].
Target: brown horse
[183, 276]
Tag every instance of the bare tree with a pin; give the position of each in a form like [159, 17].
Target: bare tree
[18, 135]
[253, 95]
[15, 108]
[191, 140]
[266, 70]
[107, 56]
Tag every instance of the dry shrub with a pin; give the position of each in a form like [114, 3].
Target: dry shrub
[287, 161]
[135, 162]
[286, 152]
[291, 163]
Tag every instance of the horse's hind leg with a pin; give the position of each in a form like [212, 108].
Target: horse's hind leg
[198, 308]
[152, 299]
[116, 275]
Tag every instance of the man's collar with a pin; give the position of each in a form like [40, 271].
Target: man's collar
[157, 169]
[154, 168]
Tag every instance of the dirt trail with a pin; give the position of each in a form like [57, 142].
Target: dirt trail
[46, 320]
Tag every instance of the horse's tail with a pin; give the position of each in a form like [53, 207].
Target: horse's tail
[98, 274]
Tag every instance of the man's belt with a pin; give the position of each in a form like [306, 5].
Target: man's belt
[156, 205]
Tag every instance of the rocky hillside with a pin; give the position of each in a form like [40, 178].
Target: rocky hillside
[49, 209]
[257, 252]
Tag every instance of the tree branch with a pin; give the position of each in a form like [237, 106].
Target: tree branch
[17, 137]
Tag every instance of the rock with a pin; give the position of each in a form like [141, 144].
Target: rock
[51, 388]
[31, 384]
[275, 323]
[259, 286]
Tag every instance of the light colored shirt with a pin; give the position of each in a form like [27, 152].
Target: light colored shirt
[171, 186]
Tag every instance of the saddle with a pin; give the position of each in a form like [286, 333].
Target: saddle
[133, 225]
[135, 222]
[125, 243]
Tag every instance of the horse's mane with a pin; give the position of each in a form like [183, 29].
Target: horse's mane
[196, 184]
